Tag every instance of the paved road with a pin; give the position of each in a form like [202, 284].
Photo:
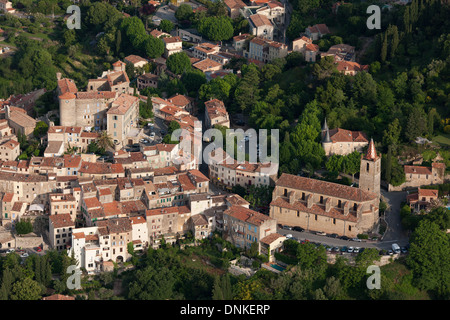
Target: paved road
[394, 231]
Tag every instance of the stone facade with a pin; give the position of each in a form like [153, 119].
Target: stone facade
[323, 206]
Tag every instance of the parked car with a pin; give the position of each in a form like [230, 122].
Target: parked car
[344, 238]
[356, 239]
[287, 228]
[356, 250]
[299, 229]
[336, 249]
[319, 233]
[333, 235]
[24, 255]
[289, 236]
[10, 250]
[395, 248]
[390, 252]
[162, 132]
[404, 250]
[152, 135]
[350, 249]
[344, 249]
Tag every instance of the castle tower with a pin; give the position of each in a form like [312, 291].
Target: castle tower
[370, 170]
[67, 109]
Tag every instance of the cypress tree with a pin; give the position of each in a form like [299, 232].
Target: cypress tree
[38, 268]
[383, 53]
[118, 41]
[227, 291]
[388, 171]
[217, 290]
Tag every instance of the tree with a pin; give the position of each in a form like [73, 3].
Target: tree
[166, 26]
[193, 80]
[105, 141]
[153, 47]
[24, 227]
[216, 28]
[118, 41]
[217, 293]
[429, 258]
[416, 124]
[146, 109]
[184, 12]
[178, 62]
[26, 289]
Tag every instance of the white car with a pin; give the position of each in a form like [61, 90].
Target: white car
[152, 135]
[356, 250]
[350, 249]
[24, 255]
[10, 250]
[289, 236]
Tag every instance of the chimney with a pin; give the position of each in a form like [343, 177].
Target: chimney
[309, 200]
[346, 208]
[291, 197]
[328, 205]
[58, 76]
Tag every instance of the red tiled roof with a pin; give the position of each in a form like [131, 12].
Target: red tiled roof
[428, 193]
[61, 220]
[247, 215]
[325, 188]
[417, 170]
[271, 238]
[343, 135]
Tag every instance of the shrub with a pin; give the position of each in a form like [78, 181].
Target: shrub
[24, 227]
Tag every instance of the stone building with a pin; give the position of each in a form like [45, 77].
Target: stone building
[122, 118]
[9, 150]
[342, 142]
[318, 205]
[243, 226]
[60, 231]
[216, 114]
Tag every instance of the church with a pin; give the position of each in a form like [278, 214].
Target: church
[341, 141]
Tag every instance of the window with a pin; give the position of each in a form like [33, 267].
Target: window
[334, 221]
[349, 228]
[367, 167]
[321, 199]
[339, 203]
[285, 192]
[303, 196]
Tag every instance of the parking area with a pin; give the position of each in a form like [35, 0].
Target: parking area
[23, 253]
[164, 13]
[335, 244]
